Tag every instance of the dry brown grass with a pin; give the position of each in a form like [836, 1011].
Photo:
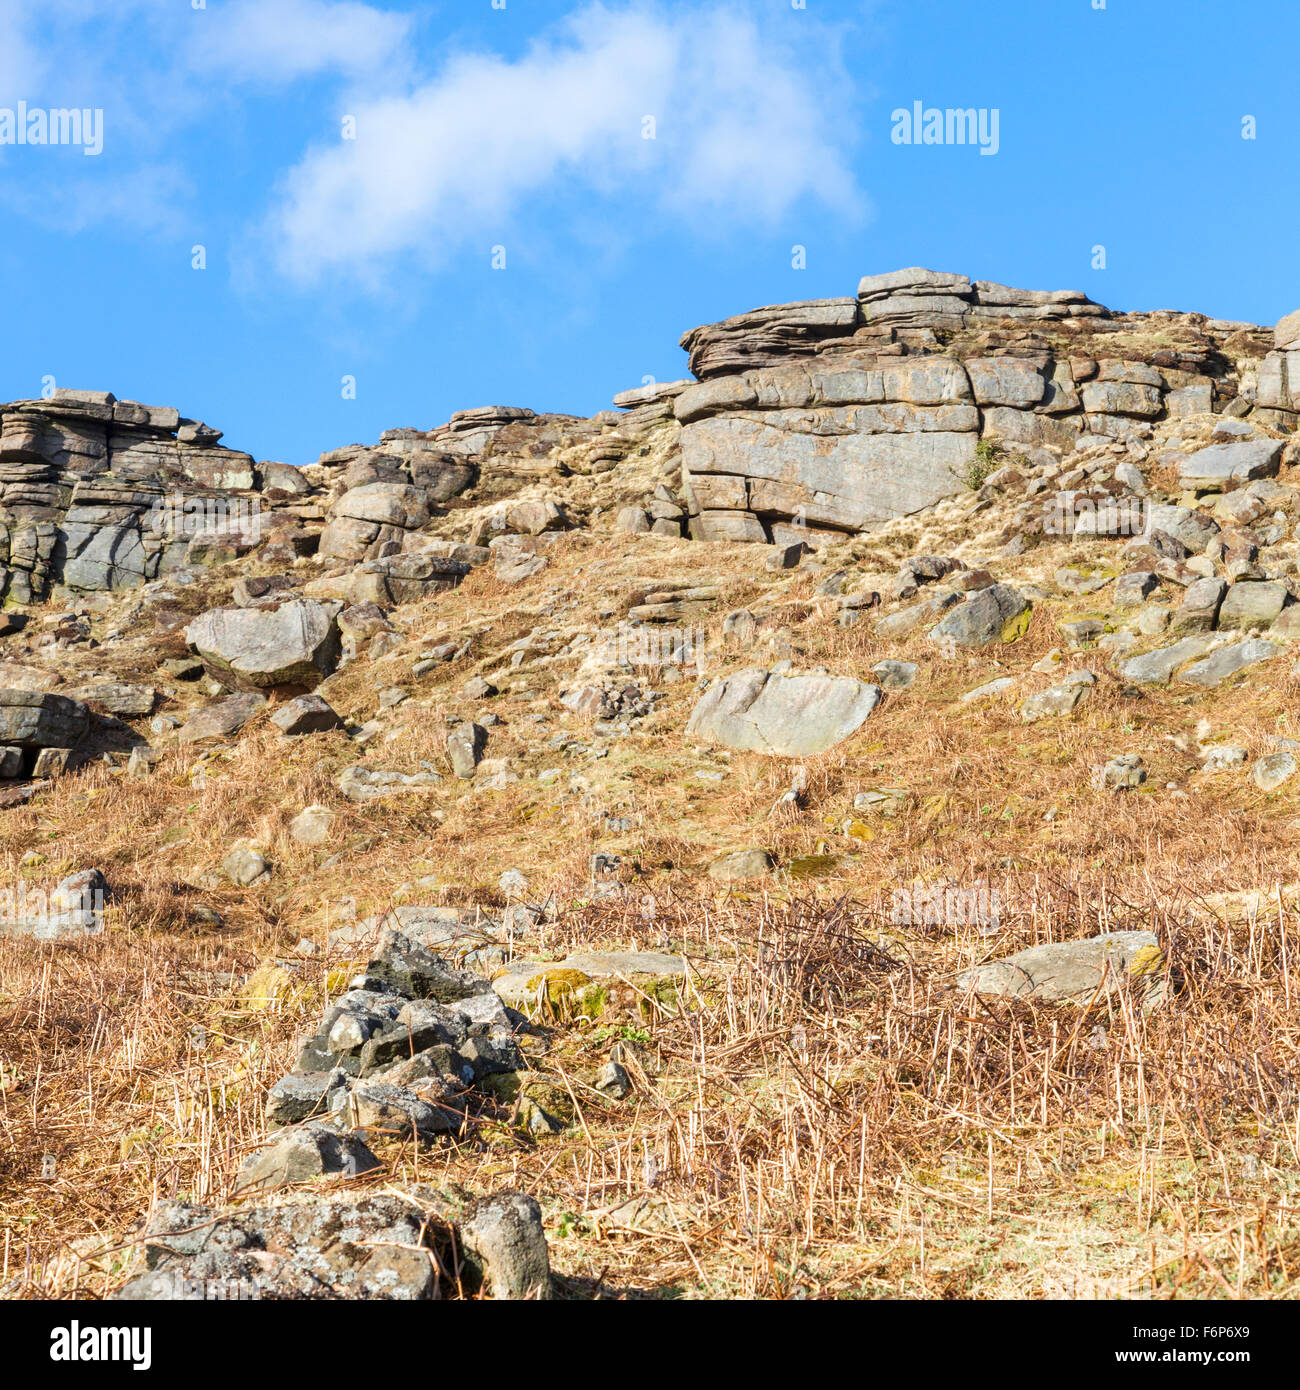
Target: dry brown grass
[827, 1118]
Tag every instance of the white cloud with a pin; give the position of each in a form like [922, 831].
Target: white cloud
[20, 66]
[282, 40]
[744, 130]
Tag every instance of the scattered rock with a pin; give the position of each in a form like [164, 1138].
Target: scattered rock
[314, 825]
[465, 746]
[245, 867]
[307, 714]
[742, 864]
[309, 1151]
[365, 784]
[990, 615]
[223, 719]
[785, 715]
[1269, 773]
[1075, 971]
[1122, 773]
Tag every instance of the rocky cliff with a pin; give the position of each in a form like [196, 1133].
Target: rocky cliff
[823, 418]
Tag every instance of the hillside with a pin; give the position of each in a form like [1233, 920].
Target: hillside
[823, 827]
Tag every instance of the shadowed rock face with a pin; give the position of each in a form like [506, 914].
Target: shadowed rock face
[29, 719]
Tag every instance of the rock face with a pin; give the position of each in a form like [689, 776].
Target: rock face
[296, 644]
[89, 489]
[839, 414]
[840, 450]
[790, 716]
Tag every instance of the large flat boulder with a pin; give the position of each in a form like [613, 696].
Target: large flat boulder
[1220, 465]
[791, 716]
[296, 644]
[1072, 971]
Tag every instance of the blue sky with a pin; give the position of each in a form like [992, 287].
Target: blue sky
[523, 128]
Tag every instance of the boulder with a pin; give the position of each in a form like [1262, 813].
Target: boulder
[504, 1247]
[1213, 468]
[787, 715]
[1253, 603]
[30, 719]
[1269, 773]
[222, 719]
[989, 615]
[296, 644]
[1199, 610]
[313, 825]
[1157, 667]
[118, 697]
[741, 864]
[1074, 971]
[465, 746]
[1227, 661]
[308, 714]
[368, 784]
[306, 1152]
[408, 578]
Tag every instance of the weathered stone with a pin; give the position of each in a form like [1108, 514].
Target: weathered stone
[296, 1098]
[1227, 661]
[1199, 610]
[1253, 604]
[367, 784]
[397, 579]
[1058, 699]
[223, 719]
[308, 714]
[1074, 971]
[245, 866]
[1157, 667]
[309, 1151]
[1269, 773]
[786, 715]
[118, 697]
[296, 644]
[314, 825]
[894, 675]
[1212, 468]
[742, 864]
[504, 1246]
[30, 719]
[983, 617]
[465, 746]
